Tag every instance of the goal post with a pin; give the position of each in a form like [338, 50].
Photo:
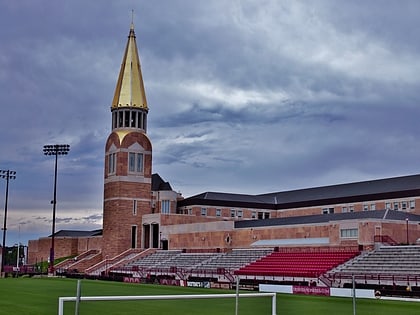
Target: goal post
[61, 300]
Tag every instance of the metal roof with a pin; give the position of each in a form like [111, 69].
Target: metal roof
[76, 233]
[324, 218]
[388, 188]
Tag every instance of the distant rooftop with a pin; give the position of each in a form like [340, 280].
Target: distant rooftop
[388, 188]
[324, 218]
[77, 233]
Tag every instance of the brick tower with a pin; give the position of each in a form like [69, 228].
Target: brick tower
[128, 159]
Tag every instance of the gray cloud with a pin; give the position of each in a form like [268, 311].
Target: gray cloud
[244, 96]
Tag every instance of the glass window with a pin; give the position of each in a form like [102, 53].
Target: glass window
[203, 211]
[396, 205]
[351, 208]
[349, 233]
[135, 162]
[139, 163]
[327, 210]
[131, 161]
[254, 215]
[240, 213]
[232, 213]
[388, 206]
[404, 205]
[372, 206]
[365, 207]
[165, 206]
[111, 163]
[412, 204]
[344, 209]
[218, 212]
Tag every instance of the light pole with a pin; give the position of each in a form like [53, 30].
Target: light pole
[7, 175]
[55, 149]
[406, 229]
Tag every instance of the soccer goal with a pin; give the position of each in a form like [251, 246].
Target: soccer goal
[61, 300]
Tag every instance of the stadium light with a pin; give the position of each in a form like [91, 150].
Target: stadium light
[7, 175]
[55, 149]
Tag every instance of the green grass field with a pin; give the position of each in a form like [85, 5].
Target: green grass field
[40, 296]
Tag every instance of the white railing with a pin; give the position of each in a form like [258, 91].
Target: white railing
[61, 300]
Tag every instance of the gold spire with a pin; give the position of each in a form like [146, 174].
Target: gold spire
[129, 91]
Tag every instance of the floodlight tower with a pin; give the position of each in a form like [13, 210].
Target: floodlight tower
[55, 149]
[7, 175]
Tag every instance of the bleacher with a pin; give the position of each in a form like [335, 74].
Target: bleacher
[174, 261]
[389, 260]
[156, 259]
[233, 260]
[306, 264]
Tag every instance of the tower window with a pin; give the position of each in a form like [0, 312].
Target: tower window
[133, 119]
[134, 207]
[135, 162]
[111, 163]
[126, 118]
[120, 119]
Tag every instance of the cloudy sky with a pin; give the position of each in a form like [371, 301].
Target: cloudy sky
[249, 96]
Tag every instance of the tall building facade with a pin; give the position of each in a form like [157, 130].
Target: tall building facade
[128, 159]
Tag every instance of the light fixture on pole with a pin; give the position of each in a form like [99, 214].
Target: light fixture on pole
[7, 175]
[406, 229]
[55, 149]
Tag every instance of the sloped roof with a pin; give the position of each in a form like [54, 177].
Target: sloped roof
[77, 233]
[158, 184]
[389, 188]
[324, 218]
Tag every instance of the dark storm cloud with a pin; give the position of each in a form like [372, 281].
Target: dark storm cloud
[244, 96]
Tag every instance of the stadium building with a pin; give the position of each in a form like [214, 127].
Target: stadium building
[143, 215]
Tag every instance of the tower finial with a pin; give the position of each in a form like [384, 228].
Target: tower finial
[132, 18]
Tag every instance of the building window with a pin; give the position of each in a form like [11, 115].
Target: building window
[266, 215]
[232, 213]
[351, 208]
[134, 207]
[165, 206]
[349, 233]
[135, 162]
[111, 163]
[344, 209]
[240, 214]
[365, 207]
[373, 206]
[218, 212]
[404, 205]
[388, 206]
[396, 205]
[253, 215]
[412, 204]
[203, 211]
[327, 210]
[190, 212]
